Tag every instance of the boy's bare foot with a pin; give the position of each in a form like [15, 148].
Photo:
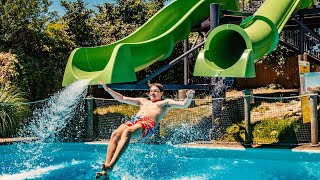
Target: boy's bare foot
[104, 173]
[100, 174]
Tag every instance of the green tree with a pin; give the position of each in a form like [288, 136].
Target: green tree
[113, 22]
[39, 43]
[23, 19]
[78, 21]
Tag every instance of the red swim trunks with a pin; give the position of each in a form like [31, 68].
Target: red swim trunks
[146, 123]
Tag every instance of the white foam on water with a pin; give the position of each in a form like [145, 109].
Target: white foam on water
[37, 172]
[34, 173]
[191, 178]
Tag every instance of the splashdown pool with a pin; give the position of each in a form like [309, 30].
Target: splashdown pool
[142, 161]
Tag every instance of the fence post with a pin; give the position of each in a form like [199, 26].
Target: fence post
[314, 117]
[247, 96]
[89, 127]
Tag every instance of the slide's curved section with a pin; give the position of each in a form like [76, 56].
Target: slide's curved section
[154, 41]
[232, 50]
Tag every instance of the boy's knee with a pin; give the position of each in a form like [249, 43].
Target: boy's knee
[128, 131]
[115, 135]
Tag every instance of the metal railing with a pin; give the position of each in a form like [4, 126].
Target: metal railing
[253, 5]
[311, 44]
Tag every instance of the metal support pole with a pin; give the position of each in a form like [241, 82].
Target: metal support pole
[214, 22]
[89, 117]
[185, 62]
[247, 96]
[214, 15]
[314, 117]
[243, 6]
[217, 91]
[301, 37]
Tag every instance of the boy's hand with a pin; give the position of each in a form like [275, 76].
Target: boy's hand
[103, 84]
[190, 93]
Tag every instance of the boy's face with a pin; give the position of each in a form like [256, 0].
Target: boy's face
[155, 94]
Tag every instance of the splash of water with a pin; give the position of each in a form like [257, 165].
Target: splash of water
[46, 124]
[217, 74]
[54, 116]
[186, 133]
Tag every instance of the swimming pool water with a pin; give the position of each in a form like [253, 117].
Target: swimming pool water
[141, 161]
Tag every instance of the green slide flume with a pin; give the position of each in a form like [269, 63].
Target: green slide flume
[154, 41]
[232, 50]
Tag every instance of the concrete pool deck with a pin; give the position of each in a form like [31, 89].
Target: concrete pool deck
[12, 140]
[305, 147]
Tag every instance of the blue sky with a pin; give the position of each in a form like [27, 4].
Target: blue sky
[56, 4]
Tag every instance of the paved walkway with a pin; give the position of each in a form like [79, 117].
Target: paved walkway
[299, 147]
[11, 140]
[305, 147]
[204, 144]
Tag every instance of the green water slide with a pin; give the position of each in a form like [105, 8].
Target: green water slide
[232, 50]
[154, 41]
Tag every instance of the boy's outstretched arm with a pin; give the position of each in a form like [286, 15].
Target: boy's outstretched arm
[119, 97]
[182, 104]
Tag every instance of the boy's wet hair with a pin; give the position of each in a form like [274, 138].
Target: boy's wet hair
[158, 85]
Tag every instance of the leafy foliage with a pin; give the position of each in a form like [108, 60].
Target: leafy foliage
[278, 56]
[12, 112]
[113, 22]
[268, 131]
[40, 41]
[77, 19]
[275, 131]
[24, 19]
[8, 72]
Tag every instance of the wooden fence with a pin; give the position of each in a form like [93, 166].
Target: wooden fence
[287, 75]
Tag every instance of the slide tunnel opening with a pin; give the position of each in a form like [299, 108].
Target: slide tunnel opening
[226, 48]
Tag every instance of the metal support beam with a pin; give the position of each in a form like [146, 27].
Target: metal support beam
[89, 124]
[166, 67]
[204, 87]
[214, 15]
[314, 34]
[301, 37]
[314, 117]
[185, 62]
[248, 131]
[214, 22]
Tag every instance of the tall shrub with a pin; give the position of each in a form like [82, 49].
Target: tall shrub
[13, 111]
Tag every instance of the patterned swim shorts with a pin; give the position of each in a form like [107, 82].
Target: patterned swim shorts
[146, 123]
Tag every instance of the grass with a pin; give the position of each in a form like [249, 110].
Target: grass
[125, 109]
[260, 109]
[275, 131]
[267, 131]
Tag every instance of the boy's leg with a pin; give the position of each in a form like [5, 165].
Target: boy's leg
[133, 131]
[113, 143]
